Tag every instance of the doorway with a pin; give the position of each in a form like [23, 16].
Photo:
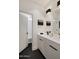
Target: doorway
[29, 29]
[26, 38]
[25, 30]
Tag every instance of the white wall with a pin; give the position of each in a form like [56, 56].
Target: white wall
[36, 16]
[33, 9]
[38, 13]
[51, 16]
[54, 16]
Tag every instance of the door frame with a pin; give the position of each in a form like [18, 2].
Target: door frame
[32, 24]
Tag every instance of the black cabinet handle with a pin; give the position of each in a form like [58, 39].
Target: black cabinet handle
[53, 48]
[41, 39]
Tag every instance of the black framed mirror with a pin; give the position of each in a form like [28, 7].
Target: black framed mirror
[40, 22]
[48, 23]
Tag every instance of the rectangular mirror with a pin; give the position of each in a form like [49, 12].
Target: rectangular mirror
[48, 23]
[40, 22]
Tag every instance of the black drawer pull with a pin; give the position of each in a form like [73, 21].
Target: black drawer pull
[41, 39]
[53, 48]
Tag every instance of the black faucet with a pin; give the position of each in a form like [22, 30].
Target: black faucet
[48, 32]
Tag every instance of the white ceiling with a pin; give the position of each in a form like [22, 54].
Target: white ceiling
[42, 3]
[30, 5]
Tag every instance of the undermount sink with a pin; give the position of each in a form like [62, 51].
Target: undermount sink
[54, 37]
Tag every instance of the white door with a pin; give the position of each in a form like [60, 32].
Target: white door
[23, 41]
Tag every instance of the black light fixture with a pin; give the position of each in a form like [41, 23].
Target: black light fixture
[48, 10]
[58, 3]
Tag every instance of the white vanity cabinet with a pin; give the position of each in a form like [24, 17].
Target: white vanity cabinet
[49, 49]
[41, 45]
[53, 50]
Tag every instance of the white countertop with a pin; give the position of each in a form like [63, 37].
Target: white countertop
[54, 38]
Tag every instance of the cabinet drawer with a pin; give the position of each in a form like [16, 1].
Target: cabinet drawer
[54, 45]
[53, 54]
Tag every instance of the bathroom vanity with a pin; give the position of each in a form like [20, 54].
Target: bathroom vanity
[49, 46]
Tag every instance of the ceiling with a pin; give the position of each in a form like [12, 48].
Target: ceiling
[42, 3]
[30, 5]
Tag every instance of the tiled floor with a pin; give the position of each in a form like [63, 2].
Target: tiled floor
[27, 53]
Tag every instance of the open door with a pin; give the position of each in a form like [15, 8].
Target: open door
[23, 41]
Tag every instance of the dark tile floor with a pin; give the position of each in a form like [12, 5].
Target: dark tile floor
[27, 53]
